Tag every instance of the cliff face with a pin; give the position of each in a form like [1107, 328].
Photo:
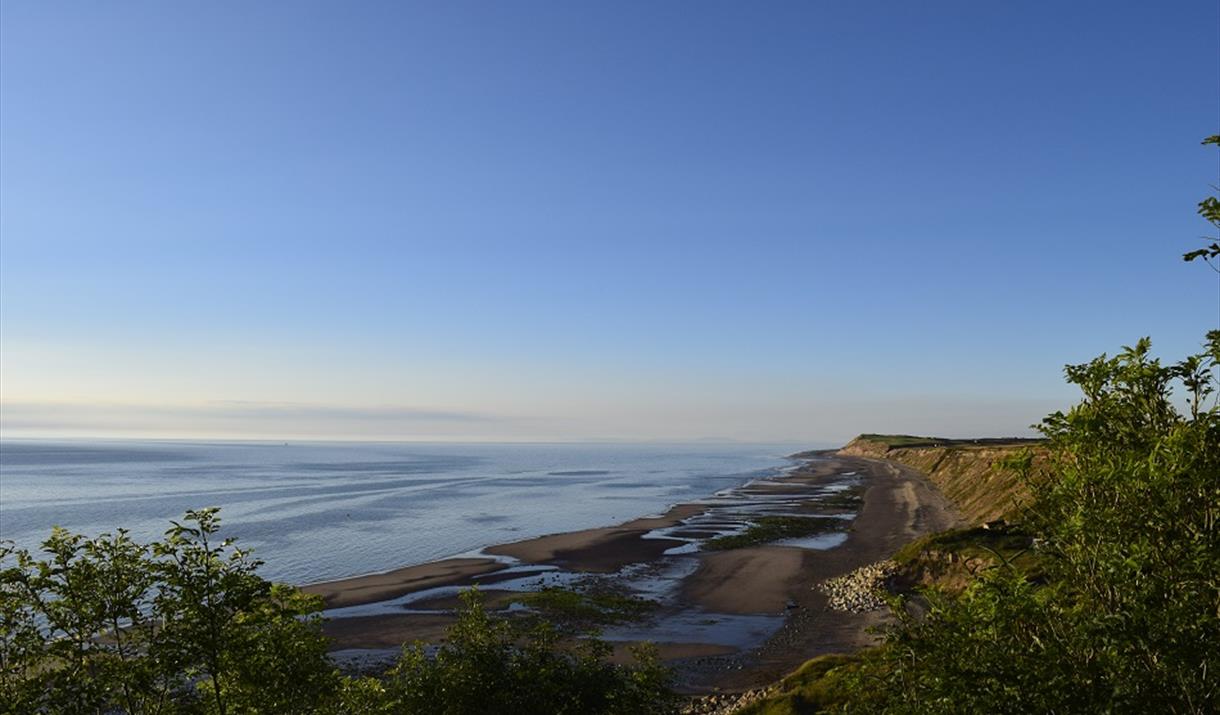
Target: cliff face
[965, 470]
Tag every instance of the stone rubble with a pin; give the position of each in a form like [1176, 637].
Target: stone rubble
[724, 703]
[861, 590]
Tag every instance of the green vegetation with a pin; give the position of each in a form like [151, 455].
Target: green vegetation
[901, 440]
[895, 441]
[851, 498]
[1209, 209]
[586, 608]
[950, 560]
[995, 546]
[182, 625]
[186, 625]
[773, 528]
[490, 665]
[820, 685]
[976, 542]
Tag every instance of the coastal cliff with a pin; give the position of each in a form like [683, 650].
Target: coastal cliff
[968, 472]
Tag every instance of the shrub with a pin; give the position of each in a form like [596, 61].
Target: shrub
[488, 665]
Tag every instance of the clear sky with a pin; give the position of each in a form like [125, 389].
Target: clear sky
[578, 220]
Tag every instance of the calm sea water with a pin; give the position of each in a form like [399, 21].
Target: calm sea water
[318, 511]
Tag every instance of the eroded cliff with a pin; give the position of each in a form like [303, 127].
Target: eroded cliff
[969, 472]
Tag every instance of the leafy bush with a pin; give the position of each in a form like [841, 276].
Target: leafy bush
[186, 625]
[183, 625]
[488, 665]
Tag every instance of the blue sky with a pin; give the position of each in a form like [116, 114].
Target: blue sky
[534, 221]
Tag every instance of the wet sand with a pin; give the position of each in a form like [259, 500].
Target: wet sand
[600, 550]
[391, 632]
[386, 631]
[399, 582]
[754, 580]
[898, 505]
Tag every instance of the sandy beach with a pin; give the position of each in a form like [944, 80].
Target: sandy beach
[773, 583]
[899, 506]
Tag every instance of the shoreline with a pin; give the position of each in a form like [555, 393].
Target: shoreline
[765, 615]
[601, 549]
[588, 550]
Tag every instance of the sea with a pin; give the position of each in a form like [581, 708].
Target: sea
[317, 511]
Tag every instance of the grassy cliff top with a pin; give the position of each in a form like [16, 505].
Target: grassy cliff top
[890, 441]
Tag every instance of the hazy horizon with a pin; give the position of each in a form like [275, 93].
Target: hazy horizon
[820, 424]
[630, 222]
